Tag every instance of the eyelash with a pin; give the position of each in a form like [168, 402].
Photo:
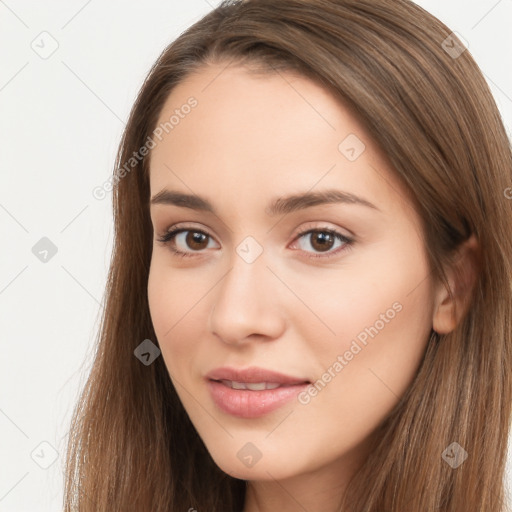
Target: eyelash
[169, 236]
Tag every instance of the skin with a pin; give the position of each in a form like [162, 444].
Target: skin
[251, 139]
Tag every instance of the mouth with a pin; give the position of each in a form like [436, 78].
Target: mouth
[250, 400]
[256, 386]
[253, 378]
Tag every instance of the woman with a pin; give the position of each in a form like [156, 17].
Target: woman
[309, 301]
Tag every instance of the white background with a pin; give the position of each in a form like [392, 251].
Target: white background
[60, 124]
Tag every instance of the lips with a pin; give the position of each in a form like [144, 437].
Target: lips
[254, 375]
[252, 392]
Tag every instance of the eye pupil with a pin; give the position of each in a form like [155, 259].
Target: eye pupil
[194, 239]
[324, 240]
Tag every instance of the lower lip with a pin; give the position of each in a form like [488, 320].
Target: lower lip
[245, 403]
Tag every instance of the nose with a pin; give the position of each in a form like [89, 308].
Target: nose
[247, 304]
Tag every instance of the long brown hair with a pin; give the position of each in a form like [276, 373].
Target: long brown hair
[131, 443]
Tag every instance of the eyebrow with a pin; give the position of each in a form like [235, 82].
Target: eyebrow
[278, 206]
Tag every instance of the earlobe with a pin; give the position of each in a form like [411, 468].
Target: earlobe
[451, 305]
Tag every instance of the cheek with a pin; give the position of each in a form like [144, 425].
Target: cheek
[381, 316]
[173, 300]
[387, 294]
[372, 375]
[370, 310]
[379, 293]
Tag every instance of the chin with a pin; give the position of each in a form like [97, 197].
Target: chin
[266, 468]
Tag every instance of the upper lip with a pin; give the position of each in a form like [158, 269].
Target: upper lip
[253, 374]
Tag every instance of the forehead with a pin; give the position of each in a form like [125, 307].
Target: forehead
[252, 136]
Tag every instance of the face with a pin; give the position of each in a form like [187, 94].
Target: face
[333, 290]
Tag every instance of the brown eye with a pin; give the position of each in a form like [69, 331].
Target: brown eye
[323, 241]
[195, 240]
[186, 242]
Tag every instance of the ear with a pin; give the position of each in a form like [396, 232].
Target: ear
[449, 307]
